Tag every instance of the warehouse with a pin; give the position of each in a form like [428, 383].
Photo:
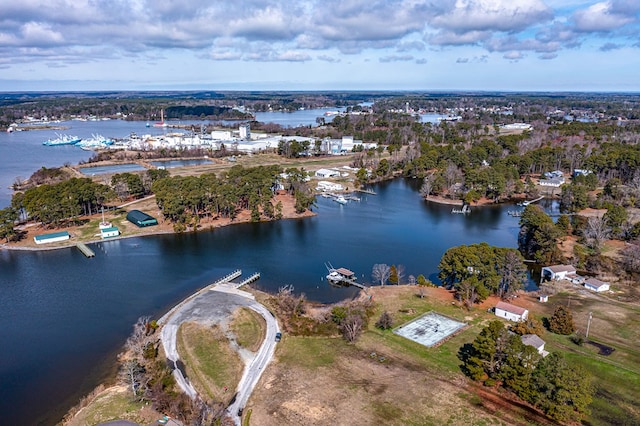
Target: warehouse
[141, 219]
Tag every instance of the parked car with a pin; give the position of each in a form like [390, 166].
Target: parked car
[278, 336]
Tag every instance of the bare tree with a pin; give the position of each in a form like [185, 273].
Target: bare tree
[132, 373]
[138, 340]
[596, 232]
[412, 280]
[352, 327]
[427, 186]
[385, 321]
[400, 272]
[513, 274]
[381, 272]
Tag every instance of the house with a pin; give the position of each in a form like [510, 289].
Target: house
[544, 298]
[557, 272]
[141, 219]
[53, 237]
[581, 172]
[511, 312]
[553, 175]
[596, 285]
[324, 186]
[327, 173]
[109, 232]
[555, 182]
[536, 342]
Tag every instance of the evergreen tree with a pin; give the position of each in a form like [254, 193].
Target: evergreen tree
[561, 322]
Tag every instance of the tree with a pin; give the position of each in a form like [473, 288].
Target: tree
[427, 186]
[8, 216]
[380, 273]
[561, 322]
[561, 389]
[385, 321]
[352, 327]
[596, 232]
[393, 275]
[132, 373]
[528, 326]
[513, 274]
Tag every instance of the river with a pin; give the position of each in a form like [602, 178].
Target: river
[64, 318]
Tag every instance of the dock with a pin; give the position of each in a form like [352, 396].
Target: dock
[526, 203]
[227, 278]
[85, 250]
[249, 280]
[464, 210]
[366, 191]
[343, 276]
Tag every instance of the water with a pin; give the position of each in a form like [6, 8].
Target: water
[103, 170]
[305, 117]
[63, 317]
[170, 164]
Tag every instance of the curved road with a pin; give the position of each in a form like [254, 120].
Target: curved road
[209, 306]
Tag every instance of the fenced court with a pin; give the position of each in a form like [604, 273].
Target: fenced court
[429, 329]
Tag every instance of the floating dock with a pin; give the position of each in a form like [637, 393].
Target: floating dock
[85, 250]
[249, 280]
[227, 278]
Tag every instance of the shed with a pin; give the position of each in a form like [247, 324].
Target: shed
[596, 285]
[557, 272]
[141, 219]
[511, 312]
[53, 237]
[544, 298]
[536, 342]
[109, 232]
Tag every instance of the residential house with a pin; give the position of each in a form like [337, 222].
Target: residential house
[511, 312]
[536, 342]
[557, 272]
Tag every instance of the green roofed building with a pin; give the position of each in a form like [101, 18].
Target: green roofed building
[141, 219]
[51, 238]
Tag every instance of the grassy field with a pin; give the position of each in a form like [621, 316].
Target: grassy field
[210, 362]
[249, 328]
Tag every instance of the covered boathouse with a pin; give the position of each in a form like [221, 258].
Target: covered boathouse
[141, 219]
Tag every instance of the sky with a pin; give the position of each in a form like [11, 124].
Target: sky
[427, 45]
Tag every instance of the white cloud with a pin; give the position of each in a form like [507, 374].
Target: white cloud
[604, 16]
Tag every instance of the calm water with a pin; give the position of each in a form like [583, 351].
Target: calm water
[64, 317]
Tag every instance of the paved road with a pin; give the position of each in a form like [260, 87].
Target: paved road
[211, 306]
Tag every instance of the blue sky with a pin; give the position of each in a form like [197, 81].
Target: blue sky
[513, 45]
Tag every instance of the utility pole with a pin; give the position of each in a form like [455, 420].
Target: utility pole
[588, 324]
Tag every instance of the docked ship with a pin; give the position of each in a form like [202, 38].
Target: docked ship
[95, 142]
[62, 140]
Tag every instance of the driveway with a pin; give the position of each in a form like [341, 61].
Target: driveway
[210, 306]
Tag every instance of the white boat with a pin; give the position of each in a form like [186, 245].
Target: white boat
[62, 140]
[341, 200]
[95, 142]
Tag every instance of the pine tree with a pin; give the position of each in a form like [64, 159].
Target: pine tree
[562, 321]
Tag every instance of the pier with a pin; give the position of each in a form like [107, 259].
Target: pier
[366, 191]
[343, 276]
[85, 250]
[526, 203]
[227, 278]
[249, 280]
[464, 210]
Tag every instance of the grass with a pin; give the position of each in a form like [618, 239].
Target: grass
[310, 352]
[249, 328]
[211, 363]
[114, 404]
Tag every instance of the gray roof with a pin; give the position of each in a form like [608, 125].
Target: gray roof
[532, 340]
[560, 268]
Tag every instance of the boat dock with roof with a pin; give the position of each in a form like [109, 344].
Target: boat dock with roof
[343, 276]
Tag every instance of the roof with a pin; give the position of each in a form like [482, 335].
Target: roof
[344, 271]
[52, 235]
[508, 307]
[532, 340]
[111, 229]
[594, 282]
[560, 268]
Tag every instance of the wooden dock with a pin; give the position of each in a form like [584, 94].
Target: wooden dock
[227, 278]
[366, 191]
[85, 250]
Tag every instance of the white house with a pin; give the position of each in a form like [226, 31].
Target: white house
[555, 182]
[557, 272]
[536, 342]
[53, 237]
[327, 173]
[596, 285]
[511, 312]
[109, 232]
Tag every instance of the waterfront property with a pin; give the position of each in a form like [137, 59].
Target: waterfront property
[557, 272]
[536, 342]
[53, 237]
[511, 312]
[429, 329]
[110, 232]
[141, 219]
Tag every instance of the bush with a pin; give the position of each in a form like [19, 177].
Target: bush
[385, 321]
[562, 321]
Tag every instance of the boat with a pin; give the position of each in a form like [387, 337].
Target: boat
[95, 142]
[340, 276]
[340, 200]
[62, 140]
[160, 123]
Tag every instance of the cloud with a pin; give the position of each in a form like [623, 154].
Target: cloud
[605, 16]
[513, 56]
[610, 46]
[396, 58]
[329, 59]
